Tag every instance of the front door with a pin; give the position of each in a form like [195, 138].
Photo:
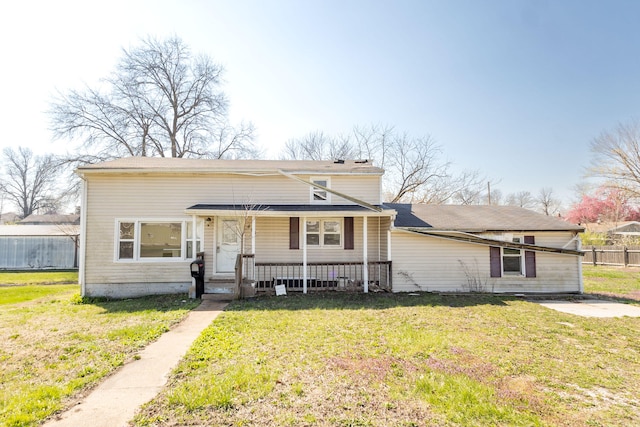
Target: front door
[228, 245]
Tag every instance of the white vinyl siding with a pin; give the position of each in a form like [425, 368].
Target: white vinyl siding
[156, 197]
[424, 263]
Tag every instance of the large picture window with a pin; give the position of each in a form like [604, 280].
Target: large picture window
[154, 239]
[324, 232]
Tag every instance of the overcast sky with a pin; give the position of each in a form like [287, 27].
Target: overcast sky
[516, 89]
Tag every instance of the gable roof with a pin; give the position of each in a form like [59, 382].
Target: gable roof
[40, 230]
[164, 164]
[51, 219]
[620, 227]
[476, 218]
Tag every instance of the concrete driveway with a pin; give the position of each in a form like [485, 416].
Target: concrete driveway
[593, 308]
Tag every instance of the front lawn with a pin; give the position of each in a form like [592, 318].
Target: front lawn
[401, 360]
[54, 346]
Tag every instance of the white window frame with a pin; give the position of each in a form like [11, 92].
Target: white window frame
[315, 191]
[137, 222]
[515, 239]
[321, 232]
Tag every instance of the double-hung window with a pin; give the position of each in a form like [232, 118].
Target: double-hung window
[512, 260]
[146, 240]
[318, 194]
[324, 232]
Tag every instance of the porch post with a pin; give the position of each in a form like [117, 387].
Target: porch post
[304, 255]
[253, 235]
[194, 239]
[365, 258]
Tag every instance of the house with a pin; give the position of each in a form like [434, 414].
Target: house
[34, 219]
[9, 218]
[616, 232]
[308, 225]
[39, 247]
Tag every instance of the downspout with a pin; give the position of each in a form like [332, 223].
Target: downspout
[83, 237]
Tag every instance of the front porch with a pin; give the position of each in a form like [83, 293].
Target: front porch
[316, 276]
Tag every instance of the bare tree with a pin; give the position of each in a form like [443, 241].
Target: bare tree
[318, 146]
[523, 199]
[30, 181]
[549, 205]
[616, 157]
[414, 170]
[161, 100]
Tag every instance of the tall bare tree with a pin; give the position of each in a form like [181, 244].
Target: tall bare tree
[547, 202]
[523, 199]
[30, 181]
[161, 100]
[616, 157]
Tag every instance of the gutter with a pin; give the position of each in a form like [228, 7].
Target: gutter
[473, 239]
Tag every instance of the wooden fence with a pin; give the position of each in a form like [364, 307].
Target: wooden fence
[612, 255]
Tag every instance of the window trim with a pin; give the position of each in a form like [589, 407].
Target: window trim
[519, 255]
[321, 233]
[137, 224]
[315, 190]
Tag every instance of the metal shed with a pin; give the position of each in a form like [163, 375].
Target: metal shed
[38, 247]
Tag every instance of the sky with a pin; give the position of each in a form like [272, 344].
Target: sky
[516, 89]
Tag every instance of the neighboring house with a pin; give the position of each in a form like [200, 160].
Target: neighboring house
[9, 218]
[38, 247]
[308, 225]
[34, 219]
[615, 230]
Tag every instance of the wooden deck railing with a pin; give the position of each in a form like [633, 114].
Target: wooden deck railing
[320, 275]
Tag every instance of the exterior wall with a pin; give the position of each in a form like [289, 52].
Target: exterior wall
[160, 197]
[37, 252]
[424, 263]
[272, 243]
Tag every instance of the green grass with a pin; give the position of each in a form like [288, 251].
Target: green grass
[378, 360]
[54, 346]
[613, 281]
[17, 294]
[38, 277]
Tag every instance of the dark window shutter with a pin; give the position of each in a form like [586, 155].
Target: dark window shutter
[294, 233]
[348, 232]
[495, 262]
[530, 258]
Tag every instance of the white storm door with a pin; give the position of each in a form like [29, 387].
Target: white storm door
[228, 245]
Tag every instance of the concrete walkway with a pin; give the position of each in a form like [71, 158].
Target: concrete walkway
[115, 401]
[593, 308]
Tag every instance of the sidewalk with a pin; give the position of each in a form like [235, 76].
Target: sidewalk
[115, 401]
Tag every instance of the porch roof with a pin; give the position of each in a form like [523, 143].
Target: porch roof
[286, 210]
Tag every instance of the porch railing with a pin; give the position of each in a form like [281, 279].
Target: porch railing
[320, 275]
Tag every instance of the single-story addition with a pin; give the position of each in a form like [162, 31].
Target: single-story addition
[307, 225]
